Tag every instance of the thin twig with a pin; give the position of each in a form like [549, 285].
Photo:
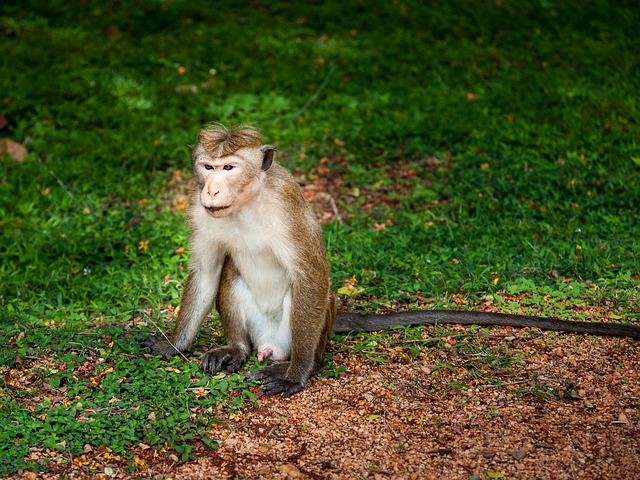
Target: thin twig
[317, 92]
[195, 389]
[334, 207]
[60, 182]
[413, 385]
[573, 470]
[164, 335]
[386, 424]
[72, 196]
[435, 339]
[544, 445]
[507, 384]
[439, 451]
[314, 95]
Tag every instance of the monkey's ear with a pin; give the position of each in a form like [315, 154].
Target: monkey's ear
[267, 159]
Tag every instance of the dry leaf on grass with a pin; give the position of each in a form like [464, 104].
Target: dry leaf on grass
[12, 149]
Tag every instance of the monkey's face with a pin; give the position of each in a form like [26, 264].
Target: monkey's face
[227, 183]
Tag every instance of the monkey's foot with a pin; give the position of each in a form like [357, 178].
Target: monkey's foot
[158, 346]
[272, 378]
[216, 359]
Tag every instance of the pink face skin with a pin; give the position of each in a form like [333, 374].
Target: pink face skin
[227, 182]
[217, 195]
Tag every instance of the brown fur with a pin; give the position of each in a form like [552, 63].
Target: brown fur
[220, 141]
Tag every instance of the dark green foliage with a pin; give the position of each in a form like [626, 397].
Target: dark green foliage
[530, 109]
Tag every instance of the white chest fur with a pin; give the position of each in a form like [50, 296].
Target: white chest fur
[263, 290]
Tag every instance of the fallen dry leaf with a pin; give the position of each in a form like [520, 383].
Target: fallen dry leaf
[12, 149]
[290, 470]
[180, 203]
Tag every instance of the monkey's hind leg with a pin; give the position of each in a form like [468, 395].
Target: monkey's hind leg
[288, 378]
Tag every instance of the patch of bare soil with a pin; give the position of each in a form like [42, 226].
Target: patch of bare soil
[327, 191]
[390, 422]
[406, 420]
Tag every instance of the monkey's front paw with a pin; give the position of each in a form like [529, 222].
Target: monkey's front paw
[216, 359]
[272, 378]
[158, 346]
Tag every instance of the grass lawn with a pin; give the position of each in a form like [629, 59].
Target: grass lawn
[478, 154]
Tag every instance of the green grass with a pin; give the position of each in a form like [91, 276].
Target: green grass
[531, 109]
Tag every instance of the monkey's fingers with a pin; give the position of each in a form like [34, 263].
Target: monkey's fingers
[272, 378]
[278, 370]
[284, 387]
[215, 360]
[158, 346]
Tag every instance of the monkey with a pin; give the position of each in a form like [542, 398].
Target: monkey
[257, 252]
[258, 256]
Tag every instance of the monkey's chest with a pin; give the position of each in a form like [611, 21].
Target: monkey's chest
[265, 278]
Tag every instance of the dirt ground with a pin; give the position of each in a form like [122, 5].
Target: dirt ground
[409, 420]
[398, 422]
[387, 422]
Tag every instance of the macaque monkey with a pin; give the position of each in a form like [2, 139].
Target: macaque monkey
[258, 254]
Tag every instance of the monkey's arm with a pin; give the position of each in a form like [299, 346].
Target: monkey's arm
[354, 322]
[231, 297]
[198, 296]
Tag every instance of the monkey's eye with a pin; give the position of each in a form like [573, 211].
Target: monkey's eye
[209, 167]
[228, 167]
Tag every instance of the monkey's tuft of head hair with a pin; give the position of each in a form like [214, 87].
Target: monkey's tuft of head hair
[219, 141]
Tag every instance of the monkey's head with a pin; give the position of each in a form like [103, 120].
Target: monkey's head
[228, 166]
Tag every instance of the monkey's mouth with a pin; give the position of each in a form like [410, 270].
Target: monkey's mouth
[216, 209]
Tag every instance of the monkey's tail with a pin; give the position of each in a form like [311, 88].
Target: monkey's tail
[355, 322]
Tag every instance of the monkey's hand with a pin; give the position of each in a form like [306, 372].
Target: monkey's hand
[216, 359]
[272, 378]
[159, 346]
